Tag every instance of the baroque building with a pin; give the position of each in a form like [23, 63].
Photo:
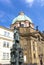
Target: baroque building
[6, 42]
[31, 39]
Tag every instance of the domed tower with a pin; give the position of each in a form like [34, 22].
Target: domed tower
[26, 27]
[22, 21]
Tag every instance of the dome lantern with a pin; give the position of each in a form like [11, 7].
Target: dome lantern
[21, 13]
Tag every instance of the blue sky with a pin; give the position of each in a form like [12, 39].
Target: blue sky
[34, 9]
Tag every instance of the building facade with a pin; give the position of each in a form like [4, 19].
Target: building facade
[6, 42]
[31, 40]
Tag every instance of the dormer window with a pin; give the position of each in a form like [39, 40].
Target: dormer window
[22, 24]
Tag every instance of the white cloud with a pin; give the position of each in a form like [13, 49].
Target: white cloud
[31, 2]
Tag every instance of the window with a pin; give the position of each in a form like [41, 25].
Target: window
[4, 56]
[6, 33]
[26, 24]
[34, 46]
[38, 37]
[7, 55]
[22, 25]
[24, 58]
[34, 56]
[7, 44]
[4, 44]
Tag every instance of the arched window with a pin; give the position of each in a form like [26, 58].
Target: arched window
[33, 46]
[4, 44]
[34, 56]
[22, 24]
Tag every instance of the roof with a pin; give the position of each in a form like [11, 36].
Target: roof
[21, 17]
[2, 27]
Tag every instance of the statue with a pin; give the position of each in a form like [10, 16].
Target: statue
[37, 28]
[16, 51]
[16, 34]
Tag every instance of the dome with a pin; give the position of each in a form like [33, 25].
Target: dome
[21, 17]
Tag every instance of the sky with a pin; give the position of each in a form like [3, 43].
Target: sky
[34, 9]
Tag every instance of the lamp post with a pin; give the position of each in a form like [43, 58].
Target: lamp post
[41, 56]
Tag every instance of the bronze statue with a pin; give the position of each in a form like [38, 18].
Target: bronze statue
[16, 51]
